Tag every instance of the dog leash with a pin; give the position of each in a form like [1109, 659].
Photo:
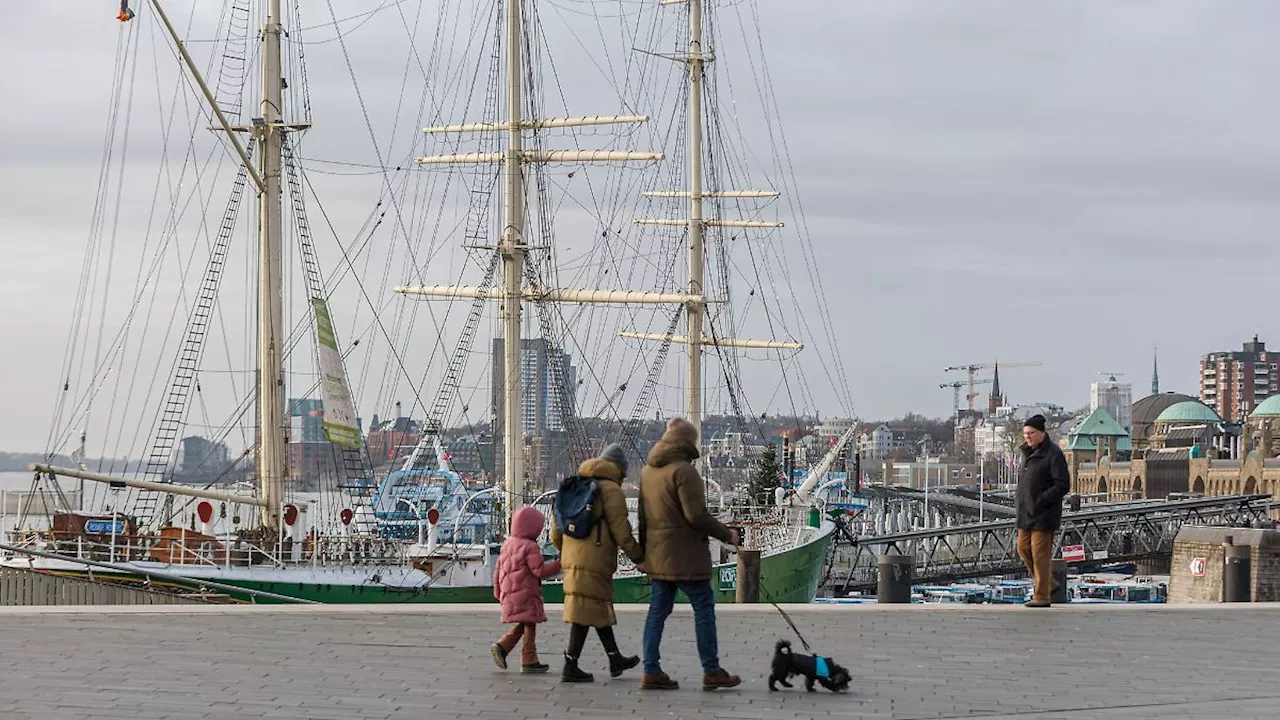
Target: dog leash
[785, 616]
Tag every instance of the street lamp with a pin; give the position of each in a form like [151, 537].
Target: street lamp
[416, 512]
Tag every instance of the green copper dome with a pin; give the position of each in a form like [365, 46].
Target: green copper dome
[1189, 412]
[1267, 408]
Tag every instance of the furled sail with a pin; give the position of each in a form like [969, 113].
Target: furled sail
[340, 426]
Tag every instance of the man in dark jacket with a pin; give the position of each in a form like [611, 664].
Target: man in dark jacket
[1042, 485]
[675, 528]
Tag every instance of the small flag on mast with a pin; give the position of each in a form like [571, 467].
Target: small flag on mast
[126, 13]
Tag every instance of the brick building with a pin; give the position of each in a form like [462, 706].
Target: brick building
[389, 439]
[311, 458]
[1233, 383]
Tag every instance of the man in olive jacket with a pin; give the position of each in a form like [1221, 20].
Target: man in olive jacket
[674, 531]
[1042, 484]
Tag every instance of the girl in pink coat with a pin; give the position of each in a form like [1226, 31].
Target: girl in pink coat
[517, 584]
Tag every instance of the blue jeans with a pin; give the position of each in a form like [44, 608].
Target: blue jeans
[661, 602]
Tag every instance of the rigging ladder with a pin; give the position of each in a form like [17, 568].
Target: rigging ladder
[177, 403]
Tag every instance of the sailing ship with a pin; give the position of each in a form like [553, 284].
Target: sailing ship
[372, 553]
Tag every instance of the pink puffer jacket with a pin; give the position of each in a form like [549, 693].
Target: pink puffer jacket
[517, 581]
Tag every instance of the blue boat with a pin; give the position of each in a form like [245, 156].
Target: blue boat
[404, 499]
[1116, 592]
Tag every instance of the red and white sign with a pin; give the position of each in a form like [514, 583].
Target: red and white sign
[1198, 566]
[1073, 553]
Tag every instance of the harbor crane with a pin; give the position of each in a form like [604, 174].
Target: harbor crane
[955, 387]
[973, 369]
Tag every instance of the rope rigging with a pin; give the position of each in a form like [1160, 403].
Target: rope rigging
[467, 66]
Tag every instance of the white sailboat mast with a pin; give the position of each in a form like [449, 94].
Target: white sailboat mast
[694, 310]
[266, 179]
[511, 248]
[271, 447]
[696, 305]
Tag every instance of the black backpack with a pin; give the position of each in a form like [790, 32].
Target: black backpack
[575, 506]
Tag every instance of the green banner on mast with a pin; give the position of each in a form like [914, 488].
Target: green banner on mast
[340, 426]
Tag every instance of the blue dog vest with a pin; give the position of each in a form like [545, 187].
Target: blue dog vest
[821, 667]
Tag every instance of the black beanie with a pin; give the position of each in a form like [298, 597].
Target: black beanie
[1035, 421]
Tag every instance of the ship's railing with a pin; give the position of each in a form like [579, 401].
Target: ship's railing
[180, 549]
[768, 528]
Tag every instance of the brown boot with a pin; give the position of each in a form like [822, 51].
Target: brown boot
[720, 680]
[658, 681]
[505, 644]
[529, 652]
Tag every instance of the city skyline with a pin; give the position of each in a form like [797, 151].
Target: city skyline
[303, 417]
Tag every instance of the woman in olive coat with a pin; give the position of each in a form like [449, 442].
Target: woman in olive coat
[589, 563]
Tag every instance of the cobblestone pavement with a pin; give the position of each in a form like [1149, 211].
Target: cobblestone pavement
[362, 662]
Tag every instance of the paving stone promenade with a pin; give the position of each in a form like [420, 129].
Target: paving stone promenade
[357, 663]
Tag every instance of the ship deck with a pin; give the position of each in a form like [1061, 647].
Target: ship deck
[363, 662]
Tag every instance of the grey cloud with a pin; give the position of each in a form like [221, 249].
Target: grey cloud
[982, 179]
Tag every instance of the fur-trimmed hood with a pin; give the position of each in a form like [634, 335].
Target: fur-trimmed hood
[678, 443]
[600, 469]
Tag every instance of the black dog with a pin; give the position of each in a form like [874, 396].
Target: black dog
[814, 669]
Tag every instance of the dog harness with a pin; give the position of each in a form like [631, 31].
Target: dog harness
[820, 667]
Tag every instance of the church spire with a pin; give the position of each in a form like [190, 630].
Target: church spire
[994, 401]
[1155, 372]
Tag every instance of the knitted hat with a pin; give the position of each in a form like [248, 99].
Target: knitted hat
[1035, 421]
[616, 455]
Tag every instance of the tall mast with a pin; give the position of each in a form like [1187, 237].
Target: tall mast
[694, 309]
[512, 249]
[271, 450]
[695, 305]
[511, 245]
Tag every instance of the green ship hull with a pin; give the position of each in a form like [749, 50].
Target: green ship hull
[791, 576]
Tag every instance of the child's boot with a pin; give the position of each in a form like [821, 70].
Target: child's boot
[501, 649]
[529, 655]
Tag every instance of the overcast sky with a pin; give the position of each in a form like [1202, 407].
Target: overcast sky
[1071, 182]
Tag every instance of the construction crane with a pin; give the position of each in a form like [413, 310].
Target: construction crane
[955, 387]
[973, 369]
